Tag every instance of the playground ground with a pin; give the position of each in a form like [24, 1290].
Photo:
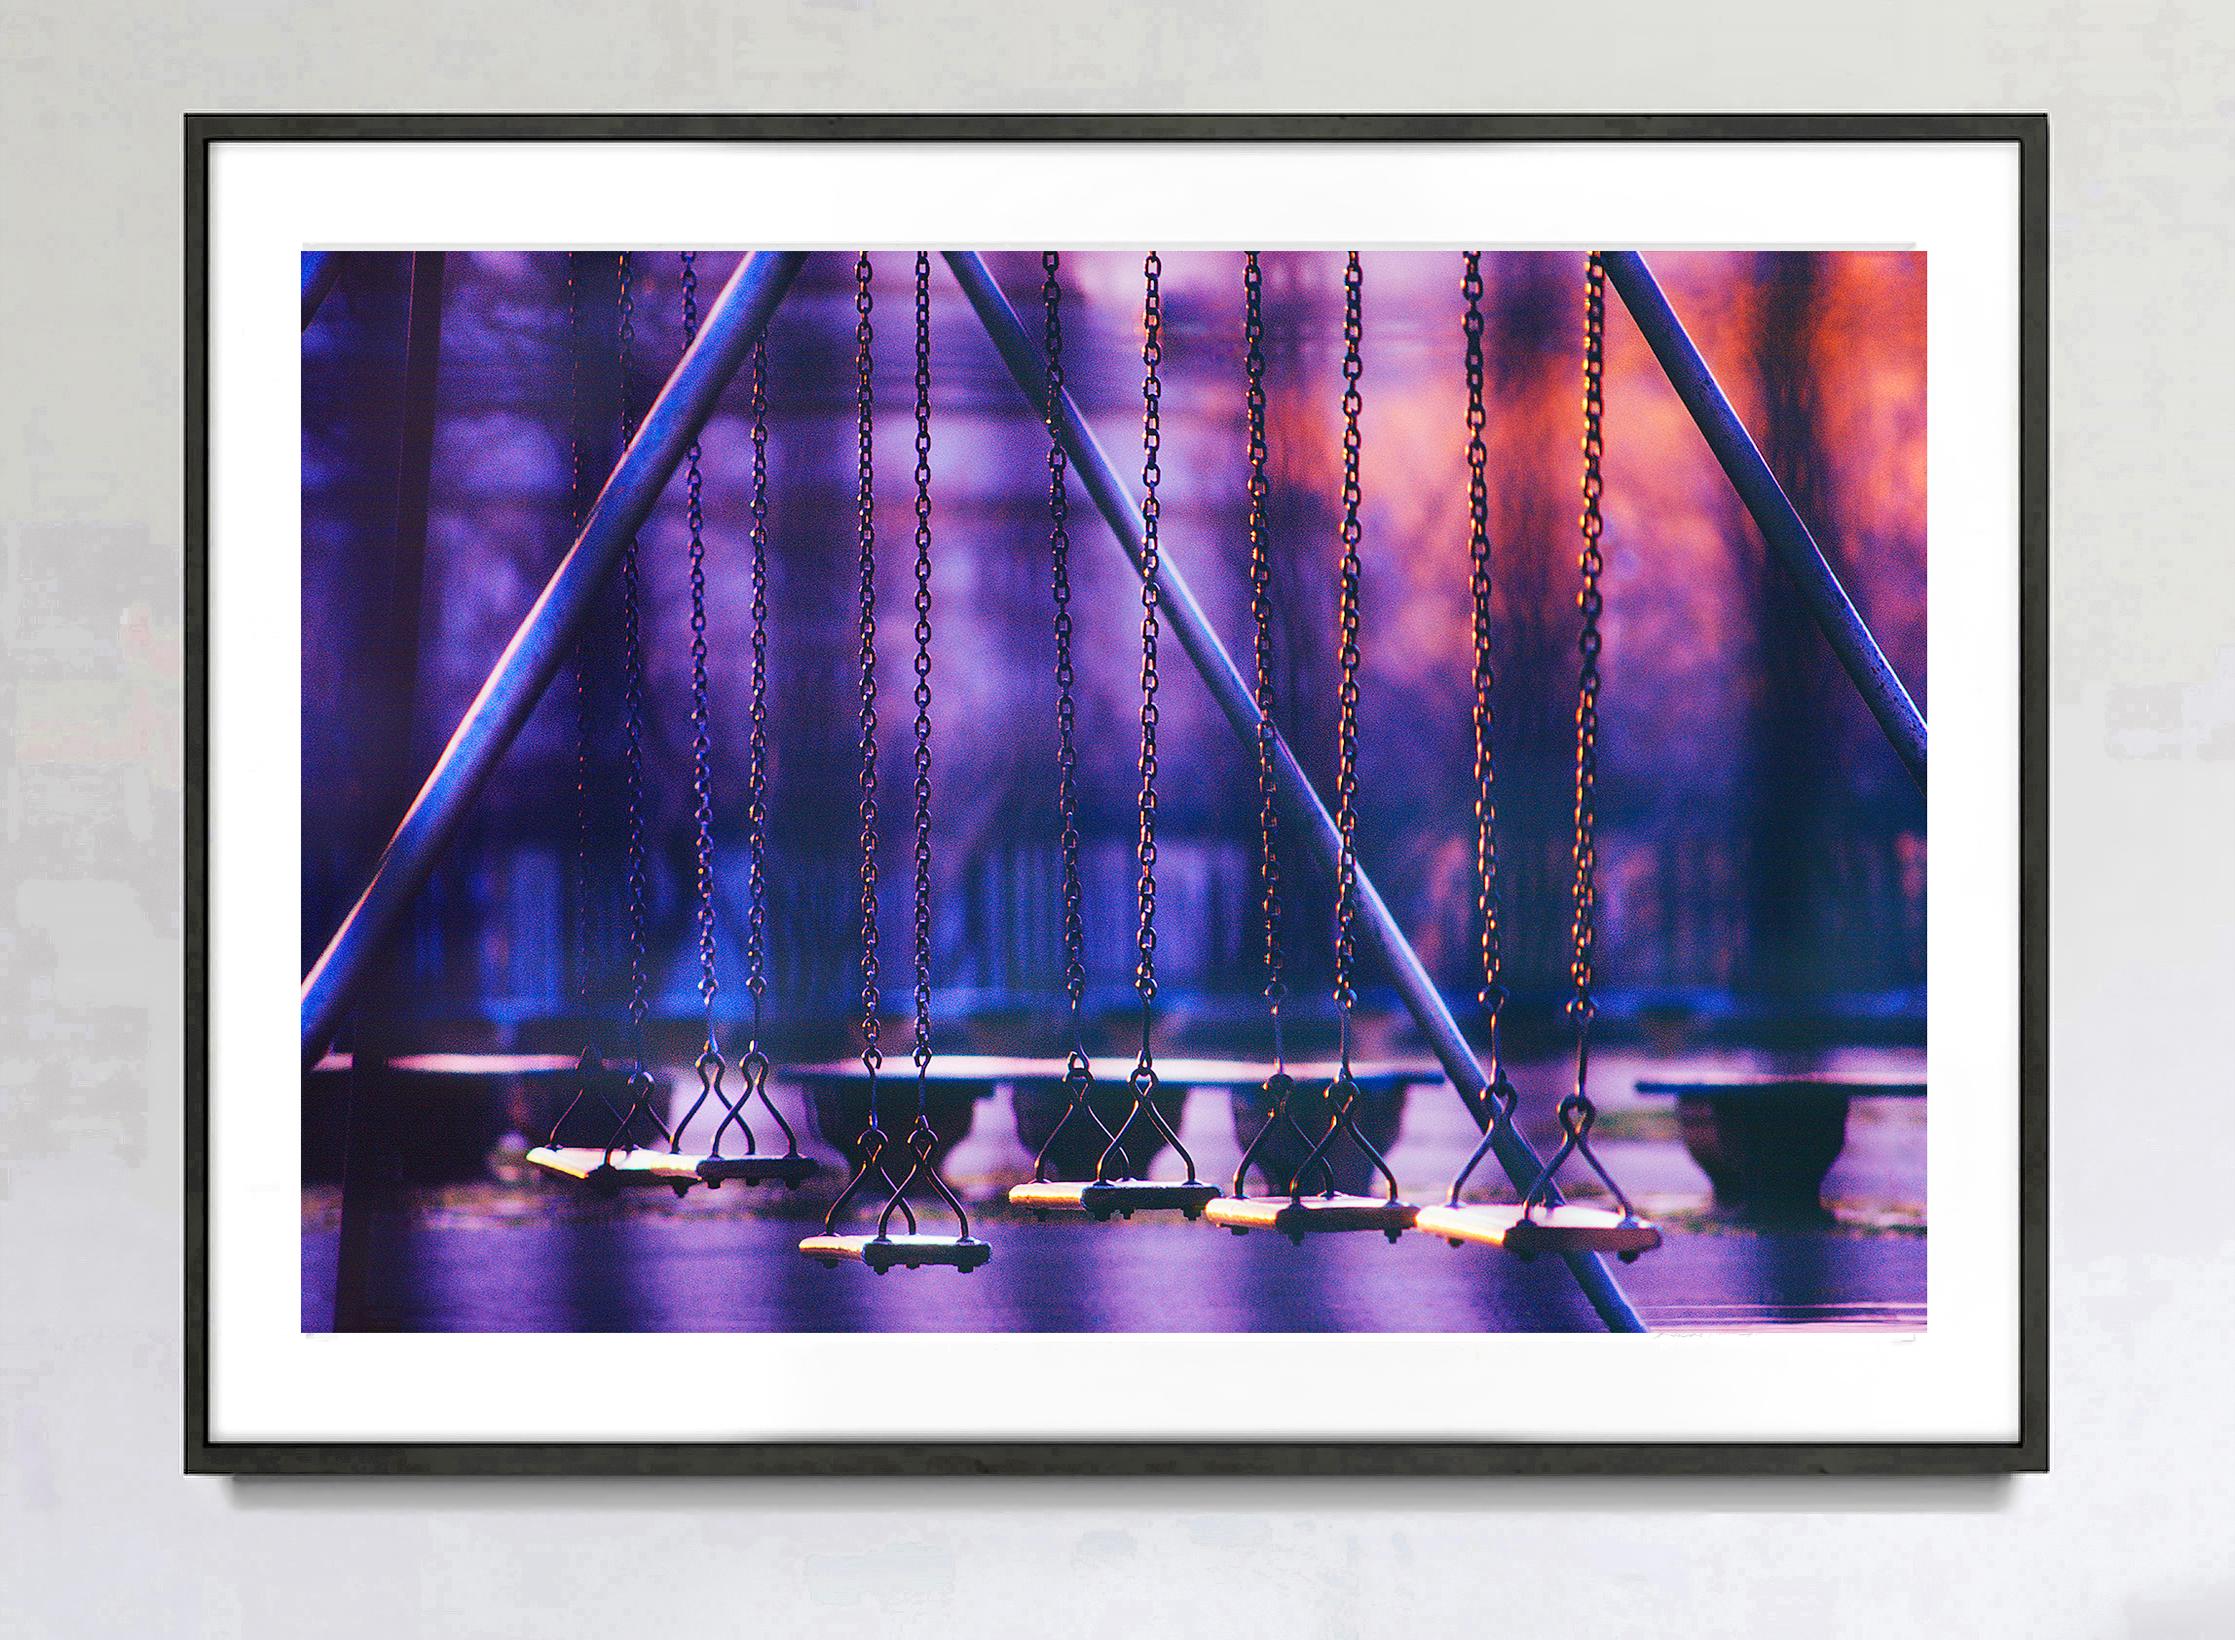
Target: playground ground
[519, 1254]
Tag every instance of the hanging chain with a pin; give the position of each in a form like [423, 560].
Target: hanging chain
[711, 1066]
[1066, 710]
[702, 737]
[577, 402]
[923, 676]
[632, 695]
[1344, 1098]
[753, 1064]
[1152, 436]
[1078, 1073]
[756, 741]
[1576, 1111]
[1261, 620]
[1346, 720]
[922, 1140]
[1278, 1087]
[1492, 995]
[1144, 1079]
[872, 1056]
[1582, 1007]
[592, 1055]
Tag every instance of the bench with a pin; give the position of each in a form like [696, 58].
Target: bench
[1766, 1142]
[838, 1103]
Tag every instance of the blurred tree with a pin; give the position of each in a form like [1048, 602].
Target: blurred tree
[1791, 796]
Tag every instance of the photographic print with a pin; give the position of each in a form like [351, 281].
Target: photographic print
[1113, 800]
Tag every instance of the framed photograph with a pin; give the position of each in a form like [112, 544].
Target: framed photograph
[1263, 779]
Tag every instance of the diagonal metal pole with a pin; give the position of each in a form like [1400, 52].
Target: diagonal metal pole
[545, 636]
[1114, 499]
[320, 270]
[1773, 512]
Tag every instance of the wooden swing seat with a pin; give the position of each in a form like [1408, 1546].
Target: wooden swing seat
[1570, 1227]
[610, 1170]
[1300, 1216]
[1101, 1199]
[789, 1171]
[881, 1253]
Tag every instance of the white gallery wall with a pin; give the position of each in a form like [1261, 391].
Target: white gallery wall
[99, 1532]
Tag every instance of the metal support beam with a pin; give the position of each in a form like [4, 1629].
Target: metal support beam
[1788, 536]
[545, 637]
[320, 270]
[1114, 499]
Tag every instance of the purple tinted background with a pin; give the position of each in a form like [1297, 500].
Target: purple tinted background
[1763, 856]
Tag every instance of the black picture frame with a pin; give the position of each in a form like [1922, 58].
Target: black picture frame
[2028, 1452]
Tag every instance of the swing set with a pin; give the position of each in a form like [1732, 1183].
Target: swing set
[895, 1170]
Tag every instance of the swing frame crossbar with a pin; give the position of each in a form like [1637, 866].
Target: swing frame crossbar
[739, 316]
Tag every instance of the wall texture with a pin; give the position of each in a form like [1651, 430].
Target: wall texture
[100, 1535]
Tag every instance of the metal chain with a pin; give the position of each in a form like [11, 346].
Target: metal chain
[1492, 994]
[1279, 1087]
[872, 1056]
[1066, 709]
[756, 741]
[1144, 1080]
[1576, 1112]
[577, 415]
[702, 736]
[592, 1056]
[1078, 1073]
[1152, 437]
[632, 695]
[1582, 1007]
[1261, 621]
[1343, 1095]
[922, 1140]
[1346, 720]
[754, 1064]
[923, 675]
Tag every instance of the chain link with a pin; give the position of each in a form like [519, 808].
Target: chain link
[577, 418]
[702, 736]
[1152, 438]
[1066, 709]
[1279, 1088]
[756, 741]
[632, 692]
[1492, 994]
[872, 1056]
[1346, 720]
[1582, 1007]
[923, 675]
[1144, 1080]
[1078, 1074]
[1261, 625]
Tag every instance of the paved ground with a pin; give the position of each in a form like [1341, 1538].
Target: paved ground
[530, 1258]
[650, 1271]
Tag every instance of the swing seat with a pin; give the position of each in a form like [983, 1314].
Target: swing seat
[1301, 1216]
[1570, 1227]
[789, 1171]
[881, 1253]
[1100, 1199]
[610, 1170]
